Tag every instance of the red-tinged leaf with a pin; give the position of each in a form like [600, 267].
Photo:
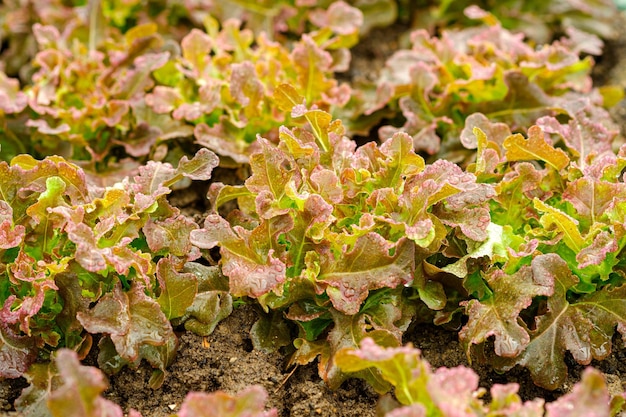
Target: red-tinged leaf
[178, 290]
[113, 204]
[24, 268]
[402, 161]
[459, 202]
[39, 283]
[12, 100]
[602, 245]
[79, 394]
[159, 357]
[515, 193]
[586, 134]
[190, 111]
[123, 257]
[506, 401]
[44, 128]
[499, 314]
[272, 170]
[156, 178]
[557, 330]
[43, 379]
[473, 222]
[131, 318]
[347, 333]
[245, 86]
[495, 132]
[247, 403]
[39, 171]
[88, 254]
[494, 247]
[141, 140]
[591, 198]
[286, 98]
[535, 148]
[606, 309]
[367, 266]
[270, 332]
[51, 197]
[584, 328]
[453, 391]
[251, 278]
[171, 234]
[10, 236]
[326, 183]
[17, 353]
[402, 368]
[207, 310]
[115, 110]
[163, 99]
[252, 271]
[589, 398]
[196, 47]
[216, 231]
[72, 292]
[216, 139]
[151, 178]
[199, 167]
[311, 64]
[340, 17]
[488, 155]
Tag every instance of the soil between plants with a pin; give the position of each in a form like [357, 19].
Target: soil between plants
[226, 360]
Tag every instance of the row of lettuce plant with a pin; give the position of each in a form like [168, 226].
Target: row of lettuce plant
[98, 95]
[74, 390]
[144, 96]
[539, 20]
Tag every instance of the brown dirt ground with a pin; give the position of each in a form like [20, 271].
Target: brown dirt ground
[227, 361]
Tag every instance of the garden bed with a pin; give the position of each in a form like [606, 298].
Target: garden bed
[226, 359]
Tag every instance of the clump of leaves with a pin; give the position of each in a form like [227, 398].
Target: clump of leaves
[423, 392]
[83, 103]
[442, 80]
[78, 259]
[336, 237]
[560, 284]
[224, 82]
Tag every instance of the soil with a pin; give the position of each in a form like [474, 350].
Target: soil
[227, 361]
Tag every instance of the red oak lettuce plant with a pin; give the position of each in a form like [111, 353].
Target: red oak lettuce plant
[430, 89]
[79, 260]
[334, 237]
